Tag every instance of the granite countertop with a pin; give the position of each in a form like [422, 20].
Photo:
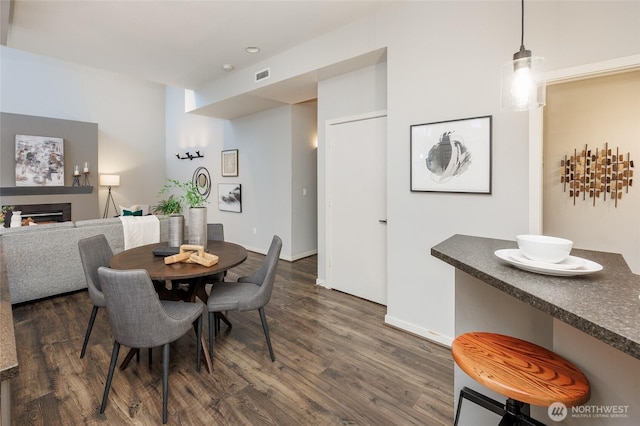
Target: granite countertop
[8, 354]
[605, 304]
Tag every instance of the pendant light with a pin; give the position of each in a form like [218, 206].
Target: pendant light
[523, 79]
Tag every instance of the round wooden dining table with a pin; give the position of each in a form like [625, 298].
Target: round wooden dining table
[180, 281]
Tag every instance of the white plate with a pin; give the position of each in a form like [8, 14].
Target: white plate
[511, 256]
[571, 262]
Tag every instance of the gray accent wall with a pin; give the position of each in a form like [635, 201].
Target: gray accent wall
[80, 146]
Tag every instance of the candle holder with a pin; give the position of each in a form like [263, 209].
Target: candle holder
[76, 178]
[85, 181]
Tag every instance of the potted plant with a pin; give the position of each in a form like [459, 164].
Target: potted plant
[191, 196]
[196, 203]
[168, 206]
[3, 214]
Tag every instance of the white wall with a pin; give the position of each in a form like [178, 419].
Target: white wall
[189, 133]
[129, 113]
[264, 144]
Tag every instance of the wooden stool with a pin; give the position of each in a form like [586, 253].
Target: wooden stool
[523, 372]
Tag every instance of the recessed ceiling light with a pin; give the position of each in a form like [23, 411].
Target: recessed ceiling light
[227, 67]
[252, 49]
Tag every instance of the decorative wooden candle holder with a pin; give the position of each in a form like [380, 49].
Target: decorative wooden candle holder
[192, 254]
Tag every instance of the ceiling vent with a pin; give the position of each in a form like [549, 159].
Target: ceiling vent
[263, 75]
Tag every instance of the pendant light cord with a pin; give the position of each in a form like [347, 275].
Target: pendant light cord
[522, 26]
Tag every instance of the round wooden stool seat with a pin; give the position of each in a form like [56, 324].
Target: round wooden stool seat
[520, 370]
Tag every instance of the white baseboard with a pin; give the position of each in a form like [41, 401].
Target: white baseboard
[284, 257]
[255, 250]
[419, 331]
[322, 283]
[303, 255]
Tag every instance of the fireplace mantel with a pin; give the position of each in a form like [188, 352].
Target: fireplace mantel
[44, 190]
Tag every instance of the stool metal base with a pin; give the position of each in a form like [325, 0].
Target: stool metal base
[514, 413]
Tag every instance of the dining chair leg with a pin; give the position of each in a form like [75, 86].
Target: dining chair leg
[94, 311]
[165, 381]
[199, 344]
[112, 366]
[211, 328]
[223, 316]
[150, 356]
[265, 327]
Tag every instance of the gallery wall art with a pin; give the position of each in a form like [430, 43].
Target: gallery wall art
[452, 156]
[597, 174]
[230, 162]
[230, 197]
[39, 161]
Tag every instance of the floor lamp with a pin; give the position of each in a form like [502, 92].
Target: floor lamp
[109, 180]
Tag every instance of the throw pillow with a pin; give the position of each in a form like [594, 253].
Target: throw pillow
[126, 212]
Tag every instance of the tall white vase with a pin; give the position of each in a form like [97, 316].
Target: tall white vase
[16, 219]
[198, 226]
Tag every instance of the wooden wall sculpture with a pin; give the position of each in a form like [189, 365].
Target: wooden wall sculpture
[600, 174]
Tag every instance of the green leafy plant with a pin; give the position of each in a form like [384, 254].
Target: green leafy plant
[3, 213]
[190, 197]
[168, 206]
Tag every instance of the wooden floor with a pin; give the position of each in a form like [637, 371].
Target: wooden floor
[336, 363]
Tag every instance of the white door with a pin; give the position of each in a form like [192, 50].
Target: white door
[357, 208]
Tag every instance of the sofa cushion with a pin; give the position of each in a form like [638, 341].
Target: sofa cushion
[144, 208]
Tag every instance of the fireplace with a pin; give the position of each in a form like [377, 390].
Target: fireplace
[42, 213]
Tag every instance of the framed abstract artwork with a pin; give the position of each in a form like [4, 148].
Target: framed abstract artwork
[230, 162]
[230, 197]
[452, 156]
[39, 161]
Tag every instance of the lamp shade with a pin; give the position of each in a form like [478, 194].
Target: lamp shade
[109, 180]
[524, 83]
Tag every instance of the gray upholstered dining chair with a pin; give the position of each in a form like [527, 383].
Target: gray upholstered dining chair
[215, 231]
[140, 320]
[249, 293]
[94, 253]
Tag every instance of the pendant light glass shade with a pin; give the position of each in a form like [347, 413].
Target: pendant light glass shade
[524, 85]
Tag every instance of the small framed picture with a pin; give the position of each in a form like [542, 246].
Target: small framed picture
[230, 197]
[230, 162]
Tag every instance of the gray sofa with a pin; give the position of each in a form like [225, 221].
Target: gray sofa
[44, 261]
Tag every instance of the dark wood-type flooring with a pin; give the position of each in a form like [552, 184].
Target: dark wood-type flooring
[336, 363]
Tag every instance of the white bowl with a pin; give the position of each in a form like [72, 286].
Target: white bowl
[542, 248]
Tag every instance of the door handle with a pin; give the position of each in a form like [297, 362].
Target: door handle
[382, 221]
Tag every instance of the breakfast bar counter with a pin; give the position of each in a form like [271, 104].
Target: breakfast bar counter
[592, 320]
[605, 304]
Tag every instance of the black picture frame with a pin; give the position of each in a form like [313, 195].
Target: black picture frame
[230, 197]
[229, 167]
[452, 156]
